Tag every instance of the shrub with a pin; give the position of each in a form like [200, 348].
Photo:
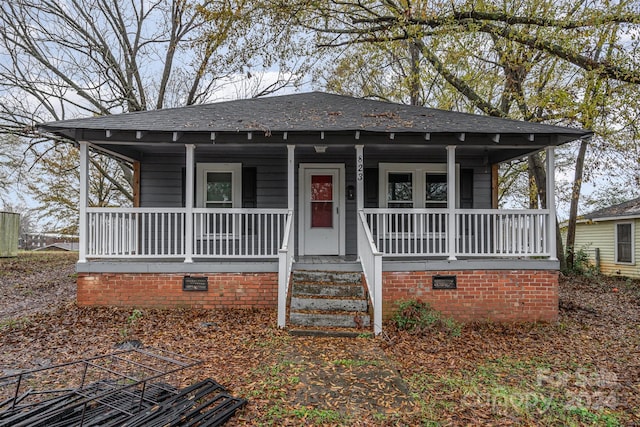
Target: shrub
[419, 317]
[582, 265]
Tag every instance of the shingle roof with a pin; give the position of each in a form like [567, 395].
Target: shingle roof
[73, 246]
[313, 111]
[630, 208]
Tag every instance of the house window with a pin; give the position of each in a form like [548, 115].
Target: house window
[219, 185]
[414, 185]
[399, 190]
[219, 190]
[624, 243]
[436, 190]
[322, 201]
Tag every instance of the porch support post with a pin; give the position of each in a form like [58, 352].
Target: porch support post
[551, 201]
[359, 177]
[84, 197]
[359, 187]
[286, 253]
[188, 201]
[451, 201]
[291, 163]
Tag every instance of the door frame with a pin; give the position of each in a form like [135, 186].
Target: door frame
[302, 167]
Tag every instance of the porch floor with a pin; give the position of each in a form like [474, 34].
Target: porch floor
[327, 263]
[309, 262]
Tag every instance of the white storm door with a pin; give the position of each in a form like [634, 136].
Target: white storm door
[321, 210]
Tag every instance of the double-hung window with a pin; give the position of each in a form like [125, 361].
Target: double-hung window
[218, 186]
[624, 243]
[400, 190]
[435, 190]
[413, 185]
[417, 186]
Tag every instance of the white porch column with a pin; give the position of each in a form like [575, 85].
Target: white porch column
[451, 201]
[359, 177]
[359, 188]
[291, 170]
[285, 257]
[188, 201]
[84, 198]
[551, 201]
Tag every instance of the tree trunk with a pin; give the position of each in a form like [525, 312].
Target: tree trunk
[575, 197]
[533, 188]
[540, 175]
[414, 77]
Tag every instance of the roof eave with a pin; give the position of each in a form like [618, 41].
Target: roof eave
[616, 218]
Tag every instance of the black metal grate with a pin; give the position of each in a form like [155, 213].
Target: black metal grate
[127, 388]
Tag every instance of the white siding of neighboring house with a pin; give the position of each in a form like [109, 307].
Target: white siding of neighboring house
[590, 236]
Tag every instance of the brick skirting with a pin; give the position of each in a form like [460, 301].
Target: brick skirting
[494, 295]
[226, 290]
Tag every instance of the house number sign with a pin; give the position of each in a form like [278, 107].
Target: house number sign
[360, 167]
[195, 283]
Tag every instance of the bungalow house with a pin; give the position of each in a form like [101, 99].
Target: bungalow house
[610, 238]
[240, 203]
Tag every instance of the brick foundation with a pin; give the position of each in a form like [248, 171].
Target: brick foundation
[496, 295]
[226, 290]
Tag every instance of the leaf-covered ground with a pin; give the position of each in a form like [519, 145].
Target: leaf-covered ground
[35, 281]
[582, 370]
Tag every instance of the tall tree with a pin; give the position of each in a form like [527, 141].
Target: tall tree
[58, 213]
[530, 59]
[64, 59]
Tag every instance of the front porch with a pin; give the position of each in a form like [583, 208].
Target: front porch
[140, 256]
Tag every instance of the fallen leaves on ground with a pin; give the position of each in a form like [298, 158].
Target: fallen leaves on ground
[34, 281]
[582, 370]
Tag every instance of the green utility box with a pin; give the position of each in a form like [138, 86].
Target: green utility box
[9, 234]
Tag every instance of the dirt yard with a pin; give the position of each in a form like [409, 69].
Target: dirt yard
[582, 370]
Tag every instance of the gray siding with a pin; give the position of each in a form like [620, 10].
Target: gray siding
[162, 173]
[161, 180]
[481, 188]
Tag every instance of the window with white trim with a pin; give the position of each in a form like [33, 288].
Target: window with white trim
[624, 243]
[435, 190]
[400, 189]
[414, 185]
[219, 185]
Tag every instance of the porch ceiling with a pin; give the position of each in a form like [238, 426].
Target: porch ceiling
[312, 118]
[488, 153]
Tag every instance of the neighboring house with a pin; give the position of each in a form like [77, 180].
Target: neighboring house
[35, 241]
[60, 247]
[239, 194]
[611, 238]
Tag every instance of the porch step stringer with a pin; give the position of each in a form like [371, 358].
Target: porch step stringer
[325, 303]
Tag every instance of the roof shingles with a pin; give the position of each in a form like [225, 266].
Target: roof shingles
[630, 208]
[313, 111]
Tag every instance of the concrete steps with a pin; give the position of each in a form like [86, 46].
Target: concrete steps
[326, 301]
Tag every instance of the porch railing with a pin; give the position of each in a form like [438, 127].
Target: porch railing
[244, 233]
[479, 232]
[135, 232]
[371, 261]
[408, 232]
[490, 232]
[161, 232]
[285, 265]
